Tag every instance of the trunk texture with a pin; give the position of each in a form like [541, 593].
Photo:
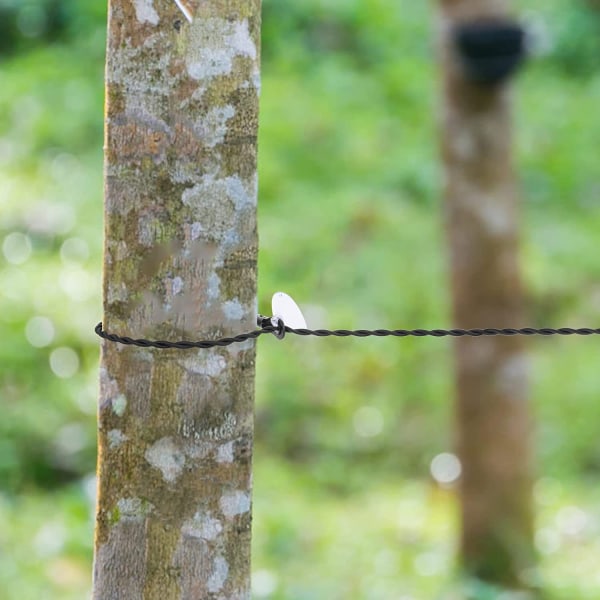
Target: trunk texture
[493, 419]
[175, 427]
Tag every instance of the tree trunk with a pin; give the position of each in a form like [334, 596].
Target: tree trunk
[493, 420]
[175, 427]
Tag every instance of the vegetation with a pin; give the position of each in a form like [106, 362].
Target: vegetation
[350, 225]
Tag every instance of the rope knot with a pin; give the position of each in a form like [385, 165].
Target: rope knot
[272, 322]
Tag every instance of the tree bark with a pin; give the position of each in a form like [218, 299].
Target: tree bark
[175, 427]
[493, 419]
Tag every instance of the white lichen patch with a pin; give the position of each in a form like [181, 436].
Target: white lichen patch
[487, 207]
[117, 292]
[213, 286]
[119, 404]
[214, 365]
[109, 387]
[134, 508]
[212, 127]
[231, 238]
[145, 12]
[118, 250]
[496, 218]
[176, 286]
[166, 456]
[235, 503]
[240, 194]
[225, 453]
[219, 575]
[223, 431]
[212, 191]
[115, 438]
[196, 448]
[511, 378]
[195, 230]
[256, 81]
[202, 438]
[147, 229]
[202, 526]
[211, 365]
[214, 43]
[140, 103]
[233, 310]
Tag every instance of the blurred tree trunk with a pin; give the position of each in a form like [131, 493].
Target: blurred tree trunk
[493, 419]
[175, 427]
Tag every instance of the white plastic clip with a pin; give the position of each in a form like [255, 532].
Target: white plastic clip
[288, 311]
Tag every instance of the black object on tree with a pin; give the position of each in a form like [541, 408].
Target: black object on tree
[490, 51]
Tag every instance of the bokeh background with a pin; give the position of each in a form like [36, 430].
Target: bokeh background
[354, 472]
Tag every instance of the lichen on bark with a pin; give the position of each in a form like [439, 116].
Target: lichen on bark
[175, 428]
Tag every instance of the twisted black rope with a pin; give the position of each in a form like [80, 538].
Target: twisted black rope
[182, 344]
[276, 326]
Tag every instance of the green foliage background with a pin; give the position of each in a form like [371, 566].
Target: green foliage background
[351, 226]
